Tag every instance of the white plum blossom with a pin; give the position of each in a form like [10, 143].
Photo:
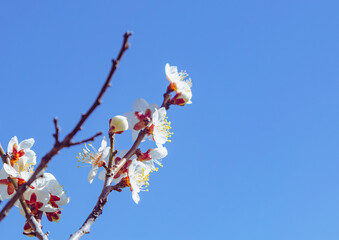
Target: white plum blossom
[20, 154]
[161, 127]
[138, 174]
[21, 161]
[152, 156]
[97, 158]
[140, 117]
[181, 86]
[46, 195]
[118, 124]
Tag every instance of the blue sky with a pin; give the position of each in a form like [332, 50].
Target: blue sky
[254, 157]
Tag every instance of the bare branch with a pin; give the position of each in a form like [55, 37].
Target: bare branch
[67, 140]
[3, 155]
[84, 141]
[57, 130]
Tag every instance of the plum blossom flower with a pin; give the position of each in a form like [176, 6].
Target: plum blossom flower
[138, 177]
[140, 117]
[46, 196]
[21, 161]
[179, 84]
[21, 154]
[118, 124]
[97, 158]
[152, 156]
[6, 187]
[160, 127]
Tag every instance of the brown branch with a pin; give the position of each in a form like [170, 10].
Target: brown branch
[106, 190]
[3, 155]
[86, 140]
[57, 130]
[67, 140]
[112, 153]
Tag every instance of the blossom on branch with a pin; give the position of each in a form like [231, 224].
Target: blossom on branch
[141, 117]
[179, 84]
[21, 161]
[138, 177]
[152, 156]
[97, 158]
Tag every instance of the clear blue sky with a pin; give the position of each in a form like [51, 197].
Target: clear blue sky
[256, 156]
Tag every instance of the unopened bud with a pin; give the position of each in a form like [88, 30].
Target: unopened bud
[118, 124]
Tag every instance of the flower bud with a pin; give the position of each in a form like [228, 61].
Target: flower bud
[118, 124]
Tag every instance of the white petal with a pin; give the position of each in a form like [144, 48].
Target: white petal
[28, 143]
[158, 153]
[102, 175]
[13, 141]
[132, 120]
[42, 196]
[135, 197]
[63, 199]
[3, 192]
[140, 105]
[48, 208]
[31, 157]
[172, 73]
[11, 171]
[92, 174]
[103, 143]
[105, 154]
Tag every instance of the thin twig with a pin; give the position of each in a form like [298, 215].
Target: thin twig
[3, 155]
[166, 103]
[111, 152]
[57, 130]
[86, 140]
[67, 140]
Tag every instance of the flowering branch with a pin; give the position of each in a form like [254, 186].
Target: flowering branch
[107, 188]
[29, 216]
[66, 142]
[110, 172]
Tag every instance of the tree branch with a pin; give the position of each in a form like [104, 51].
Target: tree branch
[86, 140]
[67, 140]
[57, 130]
[106, 190]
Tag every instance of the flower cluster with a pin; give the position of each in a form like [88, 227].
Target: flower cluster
[44, 196]
[151, 122]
